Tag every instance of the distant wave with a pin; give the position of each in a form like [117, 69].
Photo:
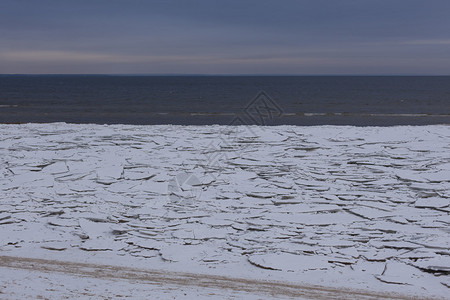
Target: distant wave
[316, 114]
[211, 114]
[367, 114]
[233, 114]
[311, 114]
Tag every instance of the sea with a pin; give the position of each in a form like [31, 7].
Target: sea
[226, 100]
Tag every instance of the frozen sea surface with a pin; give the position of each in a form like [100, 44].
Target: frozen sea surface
[357, 207]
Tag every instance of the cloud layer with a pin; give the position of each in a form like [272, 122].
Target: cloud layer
[225, 37]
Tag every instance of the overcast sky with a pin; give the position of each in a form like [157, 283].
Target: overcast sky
[225, 37]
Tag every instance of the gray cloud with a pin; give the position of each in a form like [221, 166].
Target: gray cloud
[199, 36]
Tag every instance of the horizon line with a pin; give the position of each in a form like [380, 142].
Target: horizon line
[206, 74]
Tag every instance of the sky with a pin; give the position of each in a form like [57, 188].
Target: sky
[313, 37]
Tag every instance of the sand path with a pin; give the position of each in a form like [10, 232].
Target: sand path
[263, 288]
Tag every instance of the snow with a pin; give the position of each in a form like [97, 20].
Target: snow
[339, 206]
[289, 262]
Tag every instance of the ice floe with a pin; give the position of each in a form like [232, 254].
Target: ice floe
[370, 202]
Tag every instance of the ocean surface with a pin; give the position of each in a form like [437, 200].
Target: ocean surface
[199, 100]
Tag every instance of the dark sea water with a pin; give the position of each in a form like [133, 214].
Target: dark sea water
[195, 100]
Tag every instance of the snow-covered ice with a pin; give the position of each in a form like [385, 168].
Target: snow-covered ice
[340, 206]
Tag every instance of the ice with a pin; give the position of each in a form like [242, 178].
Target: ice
[434, 242]
[108, 175]
[446, 282]
[153, 187]
[138, 174]
[94, 229]
[176, 253]
[432, 202]
[55, 246]
[215, 221]
[4, 216]
[439, 176]
[56, 168]
[261, 195]
[7, 221]
[394, 244]
[62, 222]
[335, 205]
[400, 220]
[438, 264]
[336, 242]
[286, 201]
[370, 213]
[289, 262]
[97, 244]
[324, 219]
[149, 244]
[392, 279]
[408, 175]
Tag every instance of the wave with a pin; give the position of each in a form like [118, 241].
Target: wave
[413, 115]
